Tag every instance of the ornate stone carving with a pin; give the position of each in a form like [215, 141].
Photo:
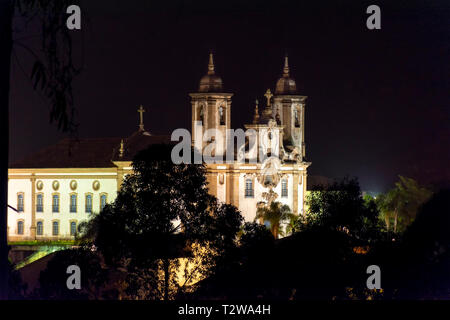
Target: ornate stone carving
[55, 185]
[39, 185]
[73, 185]
[270, 175]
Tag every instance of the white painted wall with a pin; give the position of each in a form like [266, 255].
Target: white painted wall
[84, 185]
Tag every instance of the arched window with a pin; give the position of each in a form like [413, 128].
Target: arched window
[73, 228]
[200, 114]
[249, 188]
[40, 228]
[284, 188]
[55, 203]
[20, 227]
[39, 203]
[20, 202]
[55, 228]
[73, 203]
[221, 116]
[88, 203]
[297, 121]
[102, 201]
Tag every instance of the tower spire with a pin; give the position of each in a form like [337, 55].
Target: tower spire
[286, 67]
[256, 116]
[211, 64]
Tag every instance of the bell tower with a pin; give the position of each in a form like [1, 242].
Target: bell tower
[211, 108]
[291, 109]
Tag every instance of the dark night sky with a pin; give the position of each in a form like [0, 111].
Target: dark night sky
[378, 101]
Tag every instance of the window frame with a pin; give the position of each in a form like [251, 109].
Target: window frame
[284, 188]
[37, 228]
[70, 227]
[22, 223]
[20, 202]
[249, 192]
[103, 194]
[73, 209]
[40, 208]
[53, 228]
[53, 203]
[86, 195]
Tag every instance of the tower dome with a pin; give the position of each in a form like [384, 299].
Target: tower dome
[286, 84]
[211, 82]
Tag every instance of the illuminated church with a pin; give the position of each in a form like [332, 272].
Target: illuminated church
[53, 190]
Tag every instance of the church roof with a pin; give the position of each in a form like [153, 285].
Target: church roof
[88, 153]
[286, 84]
[136, 142]
[211, 82]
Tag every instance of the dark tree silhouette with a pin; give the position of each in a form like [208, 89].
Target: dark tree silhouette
[52, 74]
[53, 279]
[162, 212]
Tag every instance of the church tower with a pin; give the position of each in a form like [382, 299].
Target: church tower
[211, 107]
[290, 106]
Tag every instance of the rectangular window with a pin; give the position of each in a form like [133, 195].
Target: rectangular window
[55, 229]
[73, 228]
[39, 203]
[55, 203]
[88, 203]
[73, 203]
[284, 188]
[20, 202]
[20, 227]
[102, 201]
[40, 228]
[249, 188]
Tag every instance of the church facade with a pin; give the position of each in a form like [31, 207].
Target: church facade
[52, 191]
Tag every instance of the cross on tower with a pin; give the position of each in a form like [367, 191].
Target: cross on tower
[268, 95]
[141, 111]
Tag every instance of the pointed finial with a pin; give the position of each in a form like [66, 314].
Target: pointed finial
[122, 149]
[211, 64]
[141, 111]
[256, 116]
[286, 67]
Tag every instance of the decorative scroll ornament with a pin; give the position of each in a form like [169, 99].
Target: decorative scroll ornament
[39, 185]
[270, 173]
[55, 185]
[269, 196]
[96, 185]
[73, 185]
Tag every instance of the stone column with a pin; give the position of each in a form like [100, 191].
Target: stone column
[33, 208]
[303, 131]
[295, 193]
[232, 187]
[304, 190]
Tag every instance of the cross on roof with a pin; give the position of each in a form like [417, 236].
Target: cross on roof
[268, 95]
[141, 111]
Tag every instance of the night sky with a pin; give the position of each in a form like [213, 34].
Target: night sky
[378, 100]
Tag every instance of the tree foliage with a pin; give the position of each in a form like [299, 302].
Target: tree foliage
[276, 213]
[400, 205]
[164, 224]
[342, 207]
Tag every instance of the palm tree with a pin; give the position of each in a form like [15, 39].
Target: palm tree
[276, 213]
[402, 202]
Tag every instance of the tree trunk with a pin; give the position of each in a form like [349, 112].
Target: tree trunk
[166, 263]
[6, 15]
[395, 221]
